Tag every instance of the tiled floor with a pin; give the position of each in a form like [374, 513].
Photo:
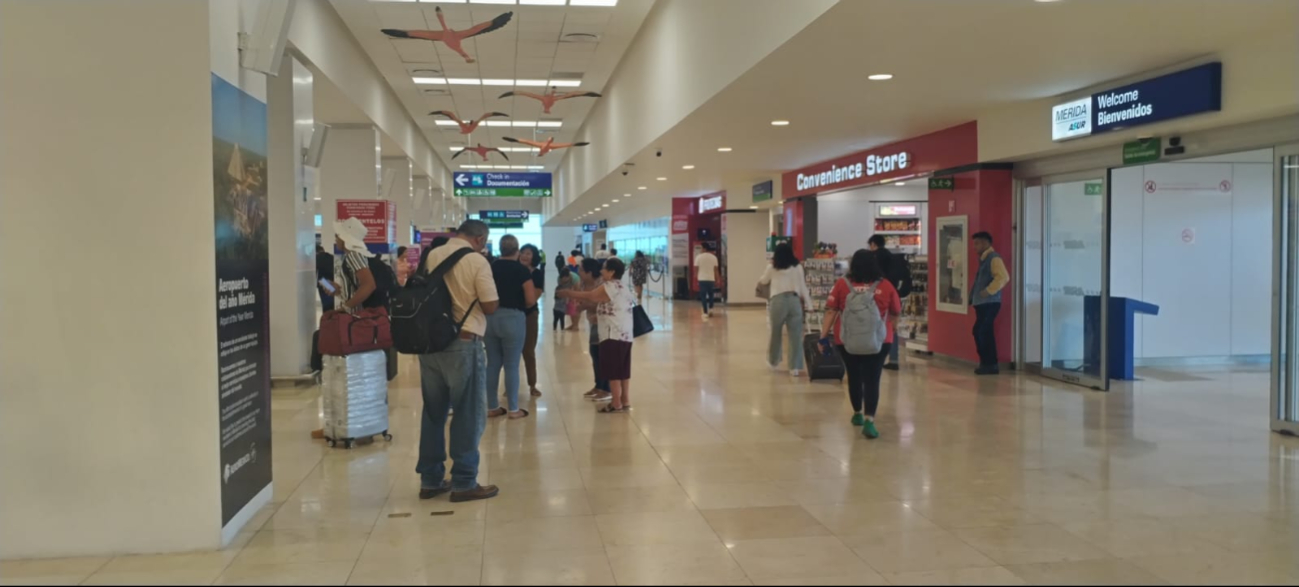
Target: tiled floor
[728, 473]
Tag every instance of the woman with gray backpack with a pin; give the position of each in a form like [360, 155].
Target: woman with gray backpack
[863, 309]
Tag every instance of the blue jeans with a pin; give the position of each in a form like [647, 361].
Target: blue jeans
[600, 384]
[453, 378]
[706, 289]
[506, 331]
[786, 311]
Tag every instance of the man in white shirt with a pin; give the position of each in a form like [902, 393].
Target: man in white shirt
[456, 377]
[603, 253]
[708, 272]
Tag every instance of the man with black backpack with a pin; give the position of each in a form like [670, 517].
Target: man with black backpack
[453, 366]
[897, 270]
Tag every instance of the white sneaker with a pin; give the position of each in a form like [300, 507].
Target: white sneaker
[705, 317]
[774, 366]
[795, 372]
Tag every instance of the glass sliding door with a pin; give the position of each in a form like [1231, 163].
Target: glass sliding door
[1074, 294]
[1030, 277]
[1285, 299]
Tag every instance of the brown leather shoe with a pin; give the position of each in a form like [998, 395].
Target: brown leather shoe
[477, 493]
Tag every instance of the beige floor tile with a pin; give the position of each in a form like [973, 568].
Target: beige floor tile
[831, 491]
[847, 519]
[655, 528]
[978, 576]
[533, 479]
[922, 550]
[800, 557]
[738, 495]
[452, 565]
[167, 577]
[323, 573]
[194, 561]
[510, 537]
[286, 547]
[544, 503]
[1229, 569]
[1140, 537]
[1097, 572]
[408, 537]
[580, 567]
[55, 567]
[1018, 545]
[757, 523]
[425, 508]
[640, 499]
[1242, 532]
[718, 474]
[606, 478]
[973, 512]
[675, 564]
[44, 580]
[872, 579]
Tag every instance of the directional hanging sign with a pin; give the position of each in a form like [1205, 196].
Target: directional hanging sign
[503, 214]
[502, 185]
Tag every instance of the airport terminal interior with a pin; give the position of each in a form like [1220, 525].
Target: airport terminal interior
[768, 292]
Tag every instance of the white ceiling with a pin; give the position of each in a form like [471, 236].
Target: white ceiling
[952, 60]
[533, 45]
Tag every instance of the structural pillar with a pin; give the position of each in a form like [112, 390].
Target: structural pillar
[349, 170]
[291, 223]
[398, 188]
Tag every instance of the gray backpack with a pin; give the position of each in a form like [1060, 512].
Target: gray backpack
[862, 328]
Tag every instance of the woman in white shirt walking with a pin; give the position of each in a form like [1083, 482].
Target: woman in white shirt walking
[788, 300]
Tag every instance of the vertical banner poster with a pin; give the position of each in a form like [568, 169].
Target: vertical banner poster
[243, 322]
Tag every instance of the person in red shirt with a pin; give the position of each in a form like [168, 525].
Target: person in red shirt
[864, 371]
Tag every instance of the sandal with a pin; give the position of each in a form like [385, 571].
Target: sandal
[536, 392]
[609, 409]
[521, 414]
[498, 412]
[602, 397]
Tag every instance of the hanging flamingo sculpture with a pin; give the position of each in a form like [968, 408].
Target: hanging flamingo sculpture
[549, 98]
[468, 126]
[546, 147]
[450, 37]
[482, 152]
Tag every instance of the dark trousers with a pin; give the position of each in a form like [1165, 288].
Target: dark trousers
[600, 384]
[864, 378]
[985, 335]
[326, 300]
[560, 316]
[706, 291]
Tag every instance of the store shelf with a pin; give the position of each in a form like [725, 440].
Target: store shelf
[899, 232]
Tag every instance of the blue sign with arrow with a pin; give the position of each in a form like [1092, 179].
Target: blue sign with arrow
[498, 185]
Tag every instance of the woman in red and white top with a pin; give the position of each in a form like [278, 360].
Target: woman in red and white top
[863, 370]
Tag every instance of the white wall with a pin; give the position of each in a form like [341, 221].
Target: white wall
[108, 365]
[848, 217]
[1214, 293]
[350, 169]
[746, 255]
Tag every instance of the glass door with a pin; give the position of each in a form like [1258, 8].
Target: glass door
[1075, 278]
[1285, 298]
[1029, 269]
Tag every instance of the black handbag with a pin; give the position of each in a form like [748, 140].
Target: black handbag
[640, 322]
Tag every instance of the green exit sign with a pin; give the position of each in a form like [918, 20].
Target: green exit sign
[1142, 151]
[942, 183]
[1094, 189]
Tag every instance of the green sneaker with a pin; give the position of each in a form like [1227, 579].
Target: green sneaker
[858, 419]
[868, 430]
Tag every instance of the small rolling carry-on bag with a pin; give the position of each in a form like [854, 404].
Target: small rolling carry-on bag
[355, 394]
[820, 365]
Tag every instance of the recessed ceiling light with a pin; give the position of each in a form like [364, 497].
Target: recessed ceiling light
[593, 3]
[880, 77]
[900, 183]
[491, 1]
[723, 149]
[614, 201]
[780, 123]
[543, 2]
[753, 207]
[626, 195]
[687, 166]
[661, 178]
[606, 205]
[641, 187]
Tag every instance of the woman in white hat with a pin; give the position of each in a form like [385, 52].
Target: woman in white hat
[358, 283]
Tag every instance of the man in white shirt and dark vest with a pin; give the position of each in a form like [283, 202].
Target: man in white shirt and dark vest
[985, 296]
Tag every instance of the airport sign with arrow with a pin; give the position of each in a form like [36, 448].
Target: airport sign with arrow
[502, 185]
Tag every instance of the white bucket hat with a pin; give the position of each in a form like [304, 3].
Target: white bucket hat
[353, 233]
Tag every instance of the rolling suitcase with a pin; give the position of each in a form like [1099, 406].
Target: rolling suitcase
[355, 394]
[820, 366]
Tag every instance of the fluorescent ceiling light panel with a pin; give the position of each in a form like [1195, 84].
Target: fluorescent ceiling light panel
[641, 187]
[724, 149]
[543, 2]
[593, 3]
[430, 80]
[780, 123]
[498, 82]
[687, 166]
[880, 77]
[491, 1]
[550, 123]
[530, 82]
[464, 81]
[565, 83]
[536, 167]
[661, 178]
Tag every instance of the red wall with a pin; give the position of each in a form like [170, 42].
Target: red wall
[985, 197]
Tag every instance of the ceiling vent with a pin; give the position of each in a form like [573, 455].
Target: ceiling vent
[436, 91]
[580, 38]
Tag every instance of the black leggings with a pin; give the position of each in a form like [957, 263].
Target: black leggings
[864, 377]
[560, 315]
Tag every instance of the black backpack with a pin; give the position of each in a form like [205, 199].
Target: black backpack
[423, 313]
[385, 283]
[902, 275]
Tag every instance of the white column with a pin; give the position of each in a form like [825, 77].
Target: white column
[108, 367]
[291, 231]
[349, 170]
[398, 188]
